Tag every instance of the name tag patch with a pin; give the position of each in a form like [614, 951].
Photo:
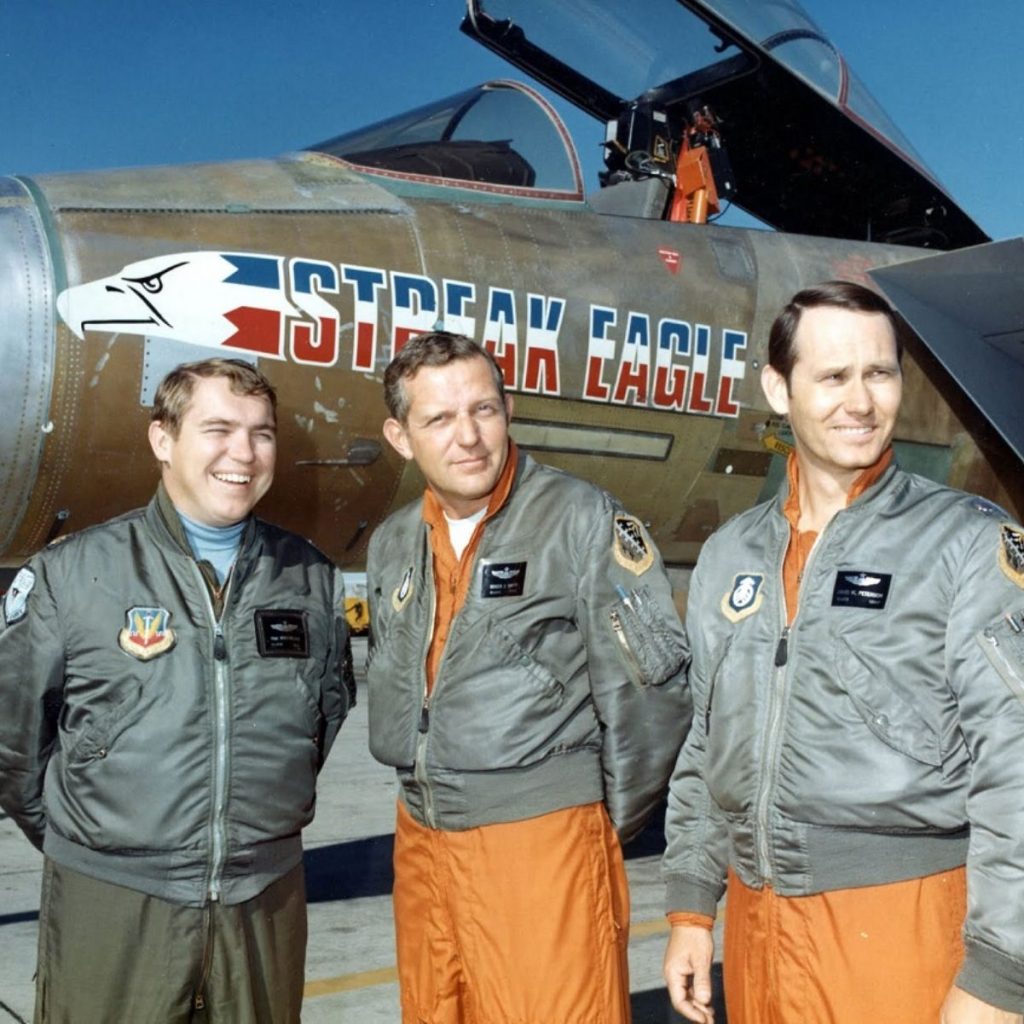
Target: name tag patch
[858, 588]
[281, 633]
[502, 579]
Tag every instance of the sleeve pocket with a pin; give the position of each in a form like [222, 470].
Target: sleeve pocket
[1003, 644]
[652, 653]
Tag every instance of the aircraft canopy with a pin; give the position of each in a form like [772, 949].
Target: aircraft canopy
[501, 134]
[810, 149]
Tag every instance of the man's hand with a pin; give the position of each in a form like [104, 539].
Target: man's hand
[961, 1007]
[687, 971]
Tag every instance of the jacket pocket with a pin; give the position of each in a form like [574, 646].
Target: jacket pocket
[716, 671]
[500, 706]
[98, 738]
[314, 716]
[518, 656]
[890, 717]
[650, 651]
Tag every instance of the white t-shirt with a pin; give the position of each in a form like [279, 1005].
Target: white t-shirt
[460, 531]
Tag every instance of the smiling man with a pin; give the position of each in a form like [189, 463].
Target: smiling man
[858, 681]
[526, 678]
[172, 681]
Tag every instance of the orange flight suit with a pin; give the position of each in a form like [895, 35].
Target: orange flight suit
[884, 954]
[523, 922]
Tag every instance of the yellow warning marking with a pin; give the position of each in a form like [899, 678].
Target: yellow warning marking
[386, 975]
[350, 982]
[643, 929]
[775, 444]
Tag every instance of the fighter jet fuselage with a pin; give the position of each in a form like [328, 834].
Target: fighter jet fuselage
[633, 346]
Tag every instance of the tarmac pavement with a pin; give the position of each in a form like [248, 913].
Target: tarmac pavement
[350, 974]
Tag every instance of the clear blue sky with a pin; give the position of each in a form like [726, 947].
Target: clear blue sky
[104, 83]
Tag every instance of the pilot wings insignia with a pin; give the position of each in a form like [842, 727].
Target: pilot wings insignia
[862, 579]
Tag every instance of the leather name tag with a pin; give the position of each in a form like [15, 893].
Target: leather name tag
[281, 633]
[858, 588]
[502, 579]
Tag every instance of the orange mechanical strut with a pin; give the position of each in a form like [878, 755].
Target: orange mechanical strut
[696, 194]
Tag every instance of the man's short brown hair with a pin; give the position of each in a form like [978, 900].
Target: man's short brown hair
[837, 294]
[437, 348]
[174, 394]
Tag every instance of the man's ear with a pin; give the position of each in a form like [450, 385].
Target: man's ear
[508, 408]
[395, 434]
[775, 389]
[160, 441]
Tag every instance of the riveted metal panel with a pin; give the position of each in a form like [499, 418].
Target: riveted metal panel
[27, 345]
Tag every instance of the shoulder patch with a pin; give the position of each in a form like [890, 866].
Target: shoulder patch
[1011, 553]
[744, 598]
[631, 547]
[147, 633]
[403, 591]
[16, 598]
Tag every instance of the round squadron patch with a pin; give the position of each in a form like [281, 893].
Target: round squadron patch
[1011, 553]
[631, 547]
[147, 633]
[403, 591]
[16, 598]
[745, 597]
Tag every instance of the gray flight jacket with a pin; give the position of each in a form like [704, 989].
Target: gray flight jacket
[147, 743]
[563, 678]
[880, 736]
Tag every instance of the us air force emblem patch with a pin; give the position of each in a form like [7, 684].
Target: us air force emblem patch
[745, 597]
[147, 633]
[16, 598]
[631, 546]
[1011, 553]
[403, 591]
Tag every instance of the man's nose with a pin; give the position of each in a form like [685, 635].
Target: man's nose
[241, 448]
[467, 432]
[858, 396]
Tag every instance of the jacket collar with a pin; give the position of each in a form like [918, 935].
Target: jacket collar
[874, 481]
[163, 518]
[507, 482]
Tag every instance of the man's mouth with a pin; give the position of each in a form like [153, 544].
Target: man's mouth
[233, 478]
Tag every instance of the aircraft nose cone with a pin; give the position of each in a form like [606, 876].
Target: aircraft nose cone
[27, 351]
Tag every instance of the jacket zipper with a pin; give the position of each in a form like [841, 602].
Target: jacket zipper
[1005, 667]
[423, 725]
[220, 743]
[773, 738]
[420, 771]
